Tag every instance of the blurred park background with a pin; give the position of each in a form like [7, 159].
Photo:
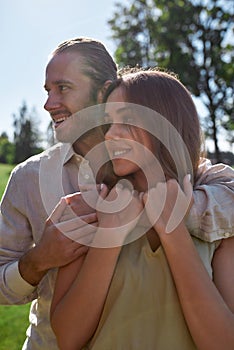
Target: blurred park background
[193, 38]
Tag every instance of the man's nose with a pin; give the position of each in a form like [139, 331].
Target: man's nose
[52, 103]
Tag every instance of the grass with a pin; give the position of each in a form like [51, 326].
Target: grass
[13, 319]
[5, 170]
[13, 325]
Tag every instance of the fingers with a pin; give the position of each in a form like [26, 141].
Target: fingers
[77, 222]
[103, 191]
[141, 196]
[83, 188]
[84, 237]
[85, 201]
[81, 250]
[154, 201]
[79, 229]
[58, 211]
[116, 200]
[68, 214]
[181, 204]
[188, 188]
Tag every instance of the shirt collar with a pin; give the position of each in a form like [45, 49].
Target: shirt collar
[70, 153]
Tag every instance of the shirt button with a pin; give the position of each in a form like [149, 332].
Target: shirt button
[78, 158]
[227, 234]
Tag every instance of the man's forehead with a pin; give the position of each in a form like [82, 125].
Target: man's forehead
[65, 59]
[64, 66]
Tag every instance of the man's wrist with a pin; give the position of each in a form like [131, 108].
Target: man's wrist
[30, 267]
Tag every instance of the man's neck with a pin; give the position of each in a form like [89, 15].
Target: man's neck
[98, 158]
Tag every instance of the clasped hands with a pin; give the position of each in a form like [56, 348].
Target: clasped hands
[96, 216]
[101, 218]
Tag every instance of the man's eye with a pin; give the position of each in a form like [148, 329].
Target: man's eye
[62, 87]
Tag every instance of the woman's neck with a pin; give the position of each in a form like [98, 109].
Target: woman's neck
[143, 180]
[139, 181]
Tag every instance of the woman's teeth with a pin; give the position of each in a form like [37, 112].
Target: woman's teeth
[119, 153]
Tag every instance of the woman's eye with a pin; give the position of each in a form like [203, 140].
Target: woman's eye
[128, 119]
[107, 119]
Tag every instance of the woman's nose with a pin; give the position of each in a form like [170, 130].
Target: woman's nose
[115, 131]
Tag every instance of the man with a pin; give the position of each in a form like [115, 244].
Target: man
[77, 75]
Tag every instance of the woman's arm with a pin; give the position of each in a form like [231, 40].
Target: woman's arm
[208, 306]
[75, 315]
[65, 277]
[207, 310]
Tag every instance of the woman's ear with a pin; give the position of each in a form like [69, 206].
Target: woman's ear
[102, 91]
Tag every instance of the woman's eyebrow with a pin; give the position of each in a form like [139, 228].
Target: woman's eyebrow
[119, 111]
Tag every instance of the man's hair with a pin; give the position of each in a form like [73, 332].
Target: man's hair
[97, 62]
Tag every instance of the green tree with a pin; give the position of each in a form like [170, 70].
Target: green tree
[190, 37]
[50, 135]
[6, 149]
[26, 134]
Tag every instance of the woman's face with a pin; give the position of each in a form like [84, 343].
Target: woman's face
[129, 147]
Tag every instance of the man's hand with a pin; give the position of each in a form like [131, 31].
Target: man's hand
[81, 203]
[66, 236]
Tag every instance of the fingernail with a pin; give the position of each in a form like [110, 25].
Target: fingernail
[119, 186]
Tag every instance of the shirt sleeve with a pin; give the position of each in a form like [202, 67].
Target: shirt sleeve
[211, 217]
[15, 239]
[15, 282]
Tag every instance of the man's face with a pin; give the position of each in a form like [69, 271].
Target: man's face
[69, 90]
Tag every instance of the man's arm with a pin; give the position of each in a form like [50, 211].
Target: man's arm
[15, 239]
[25, 258]
[211, 215]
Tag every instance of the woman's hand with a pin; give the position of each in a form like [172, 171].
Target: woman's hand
[118, 212]
[167, 204]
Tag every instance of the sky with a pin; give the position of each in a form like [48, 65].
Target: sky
[29, 31]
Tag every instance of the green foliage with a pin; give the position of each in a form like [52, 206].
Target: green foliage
[191, 38]
[13, 325]
[130, 31]
[7, 150]
[26, 134]
[5, 170]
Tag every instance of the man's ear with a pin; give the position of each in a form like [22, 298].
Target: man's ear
[102, 91]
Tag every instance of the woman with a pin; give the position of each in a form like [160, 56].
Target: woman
[156, 286]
